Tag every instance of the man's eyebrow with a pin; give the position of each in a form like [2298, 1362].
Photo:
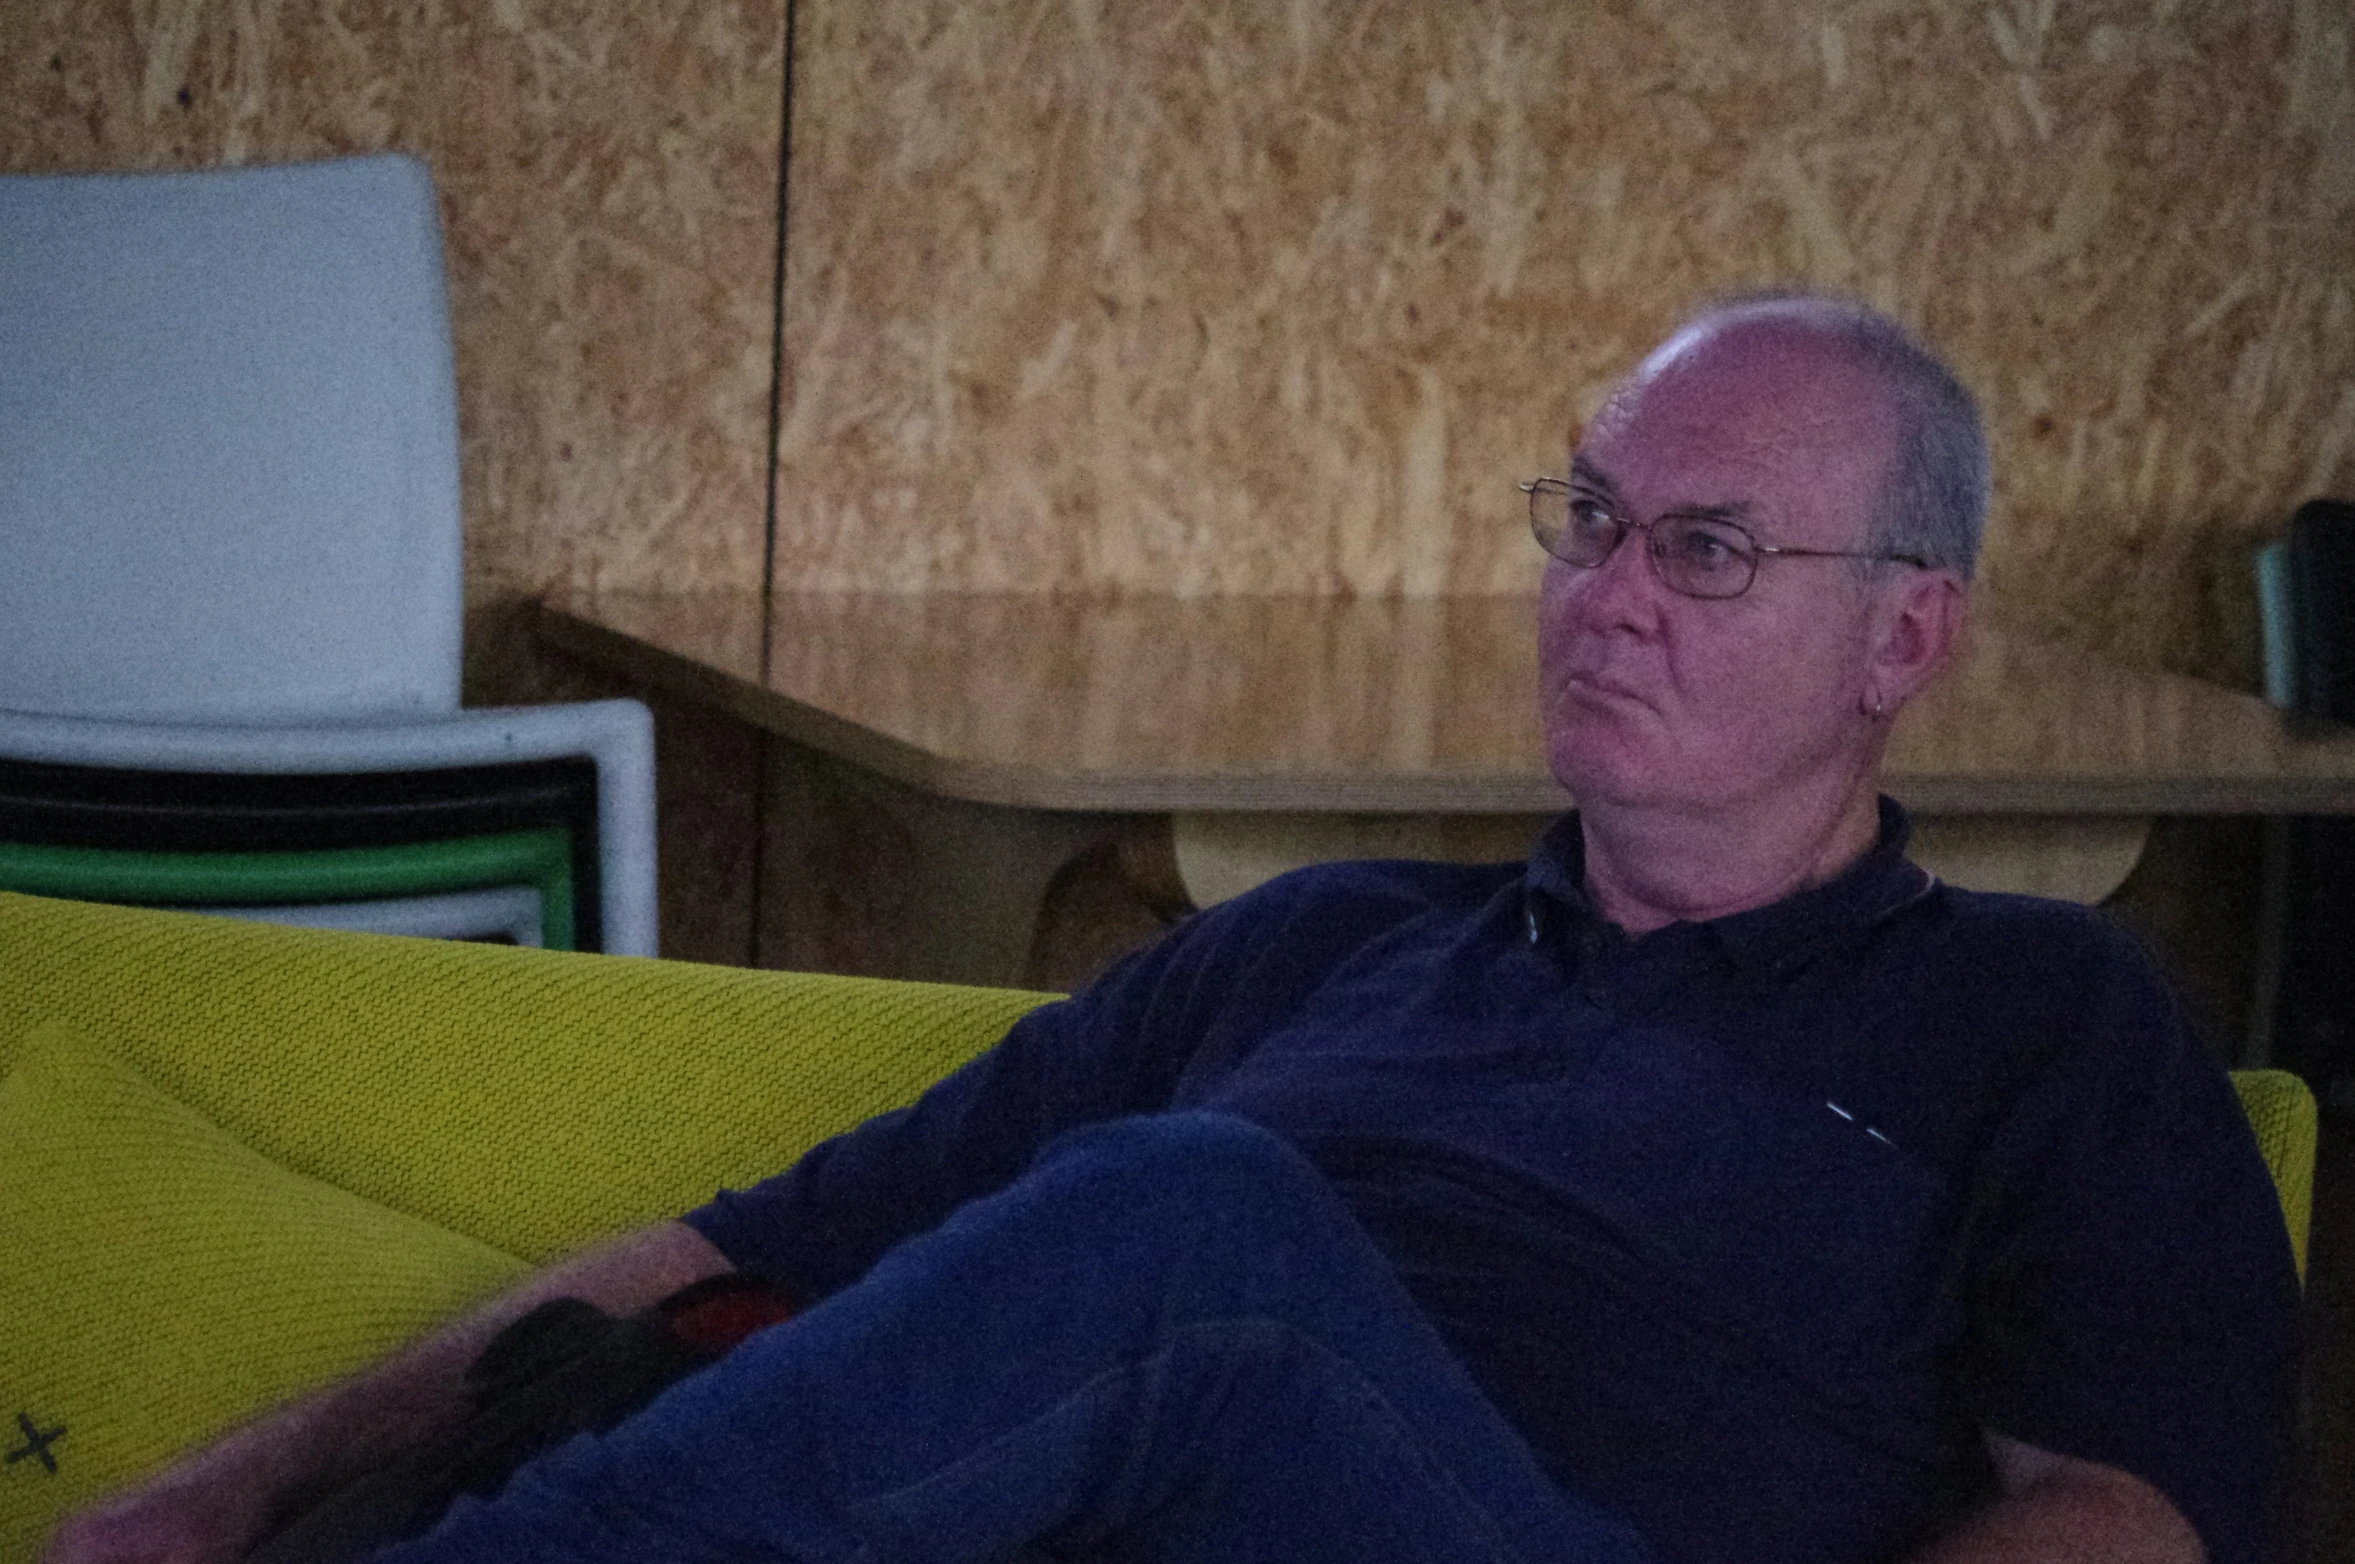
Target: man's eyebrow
[1585, 472]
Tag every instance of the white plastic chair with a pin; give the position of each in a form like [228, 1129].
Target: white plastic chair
[229, 515]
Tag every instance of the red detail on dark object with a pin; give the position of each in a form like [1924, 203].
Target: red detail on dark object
[715, 1320]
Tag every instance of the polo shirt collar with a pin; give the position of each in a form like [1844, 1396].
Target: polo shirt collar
[1870, 890]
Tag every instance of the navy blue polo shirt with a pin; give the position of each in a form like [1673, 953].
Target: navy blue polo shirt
[1751, 1227]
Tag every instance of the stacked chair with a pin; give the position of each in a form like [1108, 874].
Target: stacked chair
[230, 592]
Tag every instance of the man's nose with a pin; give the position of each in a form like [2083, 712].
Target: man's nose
[1626, 586]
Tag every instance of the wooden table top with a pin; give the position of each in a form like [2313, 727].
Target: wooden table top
[1401, 706]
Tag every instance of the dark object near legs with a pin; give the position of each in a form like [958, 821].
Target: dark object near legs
[565, 1368]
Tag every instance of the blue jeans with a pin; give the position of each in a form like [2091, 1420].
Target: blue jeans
[1167, 1341]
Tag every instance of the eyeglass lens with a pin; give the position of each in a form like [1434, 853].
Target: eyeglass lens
[1694, 555]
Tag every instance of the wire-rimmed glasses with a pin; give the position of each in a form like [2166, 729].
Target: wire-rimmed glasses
[1697, 554]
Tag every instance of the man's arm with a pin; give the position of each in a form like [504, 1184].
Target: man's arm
[212, 1505]
[2060, 1509]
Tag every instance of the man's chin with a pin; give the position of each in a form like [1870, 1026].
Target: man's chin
[1603, 754]
[1608, 770]
[1594, 775]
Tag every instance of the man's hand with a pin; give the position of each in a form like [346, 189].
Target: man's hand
[213, 1506]
[187, 1516]
[2068, 1511]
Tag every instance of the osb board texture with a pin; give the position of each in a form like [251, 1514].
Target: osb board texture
[608, 178]
[1236, 296]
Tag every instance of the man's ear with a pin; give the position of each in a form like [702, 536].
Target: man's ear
[1915, 634]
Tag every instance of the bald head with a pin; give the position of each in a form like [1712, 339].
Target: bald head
[1932, 503]
[1723, 744]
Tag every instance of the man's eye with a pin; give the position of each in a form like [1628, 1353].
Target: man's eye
[1697, 543]
[1590, 516]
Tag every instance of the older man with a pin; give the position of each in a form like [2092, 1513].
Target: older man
[1716, 1185]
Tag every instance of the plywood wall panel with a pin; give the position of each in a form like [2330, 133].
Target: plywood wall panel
[1230, 296]
[608, 178]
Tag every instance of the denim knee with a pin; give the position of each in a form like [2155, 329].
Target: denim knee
[1196, 1161]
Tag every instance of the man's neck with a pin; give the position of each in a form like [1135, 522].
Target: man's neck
[1648, 868]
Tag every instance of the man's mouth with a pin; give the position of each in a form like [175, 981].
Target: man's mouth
[1602, 690]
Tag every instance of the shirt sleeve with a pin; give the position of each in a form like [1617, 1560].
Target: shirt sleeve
[1118, 1048]
[2134, 1301]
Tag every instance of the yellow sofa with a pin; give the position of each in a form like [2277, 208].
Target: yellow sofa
[238, 1160]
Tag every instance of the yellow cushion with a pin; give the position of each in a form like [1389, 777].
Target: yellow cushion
[533, 1099]
[161, 1280]
[2281, 1111]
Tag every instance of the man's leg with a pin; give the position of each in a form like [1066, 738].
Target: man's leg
[1168, 1338]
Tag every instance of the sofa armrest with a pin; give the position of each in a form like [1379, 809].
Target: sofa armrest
[534, 1100]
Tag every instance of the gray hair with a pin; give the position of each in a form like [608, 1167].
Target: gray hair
[1934, 503]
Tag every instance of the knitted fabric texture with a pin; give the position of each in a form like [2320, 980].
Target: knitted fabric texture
[533, 1100]
[2281, 1110]
[163, 1281]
